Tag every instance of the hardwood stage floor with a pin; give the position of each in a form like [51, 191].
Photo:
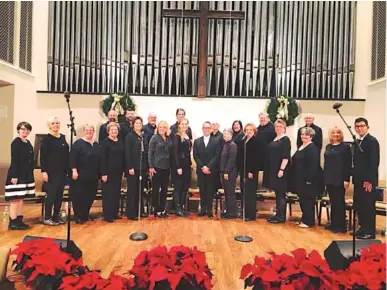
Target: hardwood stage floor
[107, 246]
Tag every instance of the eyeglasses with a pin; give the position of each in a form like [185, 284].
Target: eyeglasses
[360, 126]
[24, 129]
[206, 127]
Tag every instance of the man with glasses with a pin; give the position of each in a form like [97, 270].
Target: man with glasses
[206, 151]
[365, 179]
[318, 137]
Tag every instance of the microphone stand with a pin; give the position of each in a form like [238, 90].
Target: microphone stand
[357, 144]
[73, 133]
[244, 238]
[139, 236]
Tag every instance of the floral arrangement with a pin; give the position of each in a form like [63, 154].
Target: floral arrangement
[309, 271]
[283, 107]
[45, 266]
[119, 103]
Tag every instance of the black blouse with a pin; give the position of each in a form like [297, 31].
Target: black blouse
[181, 151]
[112, 157]
[251, 156]
[54, 154]
[337, 164]
[22, 161]
[134, 145]
[85, 158]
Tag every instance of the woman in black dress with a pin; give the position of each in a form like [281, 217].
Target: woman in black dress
[181, 166]
[305, 174]
[112, 167]
[84, 163]
[54, 163]
[159, 158]
[276, 169]
[136, 167]
[248, 168]
[20, 183]
[337, 167]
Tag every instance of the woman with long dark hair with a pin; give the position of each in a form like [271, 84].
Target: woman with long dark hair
[136, 163]
[20, 183]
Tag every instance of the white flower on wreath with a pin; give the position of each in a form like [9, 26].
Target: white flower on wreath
[116, 106]
[282, 111]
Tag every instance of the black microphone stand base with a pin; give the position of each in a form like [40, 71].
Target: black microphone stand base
[243, 239]
[139, 236]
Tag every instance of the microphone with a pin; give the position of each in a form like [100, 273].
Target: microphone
[142, 141]
[244, 137]
[67, 95]
[336, 106]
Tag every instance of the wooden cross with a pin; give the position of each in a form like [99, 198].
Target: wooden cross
[204, 14]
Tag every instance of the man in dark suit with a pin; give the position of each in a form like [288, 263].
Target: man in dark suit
[206, 152]
[112, 117]
[318, 137]
[365, 179]
[180, 115]
[150, 128]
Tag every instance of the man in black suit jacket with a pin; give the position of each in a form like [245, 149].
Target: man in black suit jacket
[126, 126]
[180, 115]
[365, 179]
[112, 117]
[318, 137]
[206, 152]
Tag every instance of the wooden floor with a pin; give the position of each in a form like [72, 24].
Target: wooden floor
[107, 246]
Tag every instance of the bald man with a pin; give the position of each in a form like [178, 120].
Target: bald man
[317, 139]
[150, 128]
[112, 117]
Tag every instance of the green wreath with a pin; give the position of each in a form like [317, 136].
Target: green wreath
[119, 103]
[283, 107]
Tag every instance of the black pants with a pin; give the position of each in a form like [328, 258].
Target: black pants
[182, 183]
[83, 194]
[337, 199]
[229, 190]
[280, 203]
[307, 195]
[365, 208]
[111, 193]
[249, 197]
[54, 188]
[133, 196]
[159, 189]
[207, 191]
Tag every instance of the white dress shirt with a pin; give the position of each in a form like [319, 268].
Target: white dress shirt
[206, 139]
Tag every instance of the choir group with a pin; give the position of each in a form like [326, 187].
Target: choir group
[162, 155]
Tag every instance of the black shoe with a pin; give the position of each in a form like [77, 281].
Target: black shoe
[159, 215]
[133, 218]
[328, 227]
[15, 226]
[201, 213]
[358, 232]
[19, 220]
[229, 217]
[117, 217]
[338, 230]
[144, 215]
[90, 218]
[210, 215]
[164, 215]
[249, 219]
[108, 219]
[79, 221]
[365, 236]
[276, 220]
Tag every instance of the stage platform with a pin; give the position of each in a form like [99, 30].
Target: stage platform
[106, 246]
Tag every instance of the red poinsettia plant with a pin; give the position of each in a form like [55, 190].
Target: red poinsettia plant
[310, 271]
[179, 268]
[43, 263]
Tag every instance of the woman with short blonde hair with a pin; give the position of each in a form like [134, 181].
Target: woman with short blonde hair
[54, 160]
[337, 167]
